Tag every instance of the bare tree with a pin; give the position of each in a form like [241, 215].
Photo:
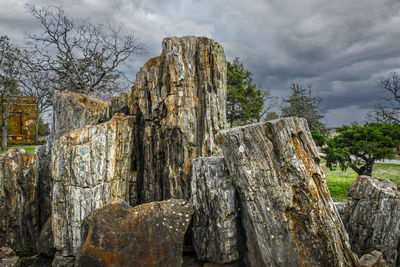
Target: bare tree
[388, 110]
[78, 55]
[9, 88]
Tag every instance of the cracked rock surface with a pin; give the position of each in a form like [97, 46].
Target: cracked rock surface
[178, 100]
[90, 168]
[287, 213]
[214, 229]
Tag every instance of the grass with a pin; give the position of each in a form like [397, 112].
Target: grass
[339, 182]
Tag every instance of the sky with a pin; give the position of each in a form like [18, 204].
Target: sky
[341, 48]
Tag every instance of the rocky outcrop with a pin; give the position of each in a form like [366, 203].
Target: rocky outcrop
[45, 183]
[372, 218]
[286, 212]
[178, 100]
[8, 258]
[91, 167]
[45, 241]
[19, 213]
[374, 259]
[120, 104]
[214, 229]
[147, 235]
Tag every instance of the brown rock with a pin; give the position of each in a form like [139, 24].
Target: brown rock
[10, 262]
[214, 229]
[287, 213]
[147, 235]
[45, 241]
[19, 219]
[91, 167]
[6, 252]
[179, 103]
[120, 104]
[374, 259]
[372, 218]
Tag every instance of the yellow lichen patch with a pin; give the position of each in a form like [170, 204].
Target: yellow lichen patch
[152, 62]
[308, 162]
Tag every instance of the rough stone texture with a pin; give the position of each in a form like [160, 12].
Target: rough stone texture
[73, 111]
[339, 207]
[374, 259]
[91, 167]
[19, 213]
[45, 241]
[287, 213]
[120, 104]
[178, 100]
[214, 229]
[8, 258]
[45, 183]
[372, 218]
[147, 235]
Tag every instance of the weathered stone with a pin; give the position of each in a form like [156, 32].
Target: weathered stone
[120, 104]
[91, 167]
[12, 261]
[73, 111]
[374, 259]
[45, 241]
[287, 213]
[214, 230]
[6, 252]
[45, 182]
[339, 207]
[147, 235]
[19, 219]
[178, 100]
[372, 218]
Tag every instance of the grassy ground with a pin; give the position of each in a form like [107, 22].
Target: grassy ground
[339, 182]
[29, 149]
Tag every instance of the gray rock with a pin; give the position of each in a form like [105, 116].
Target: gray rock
[19, 219]
[178, 100]
[372, 218]
[339, 207]
[287, 214]
[91, 167]
[374, 259]
[146, 235]
[214, 229]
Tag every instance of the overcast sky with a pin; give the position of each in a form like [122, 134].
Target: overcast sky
[341, 47]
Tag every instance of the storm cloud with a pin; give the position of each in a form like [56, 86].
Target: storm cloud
[340, 47]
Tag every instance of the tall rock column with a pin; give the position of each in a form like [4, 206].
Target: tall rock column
[178, 100]
[19, 212]
[287, 212]
[91, 167]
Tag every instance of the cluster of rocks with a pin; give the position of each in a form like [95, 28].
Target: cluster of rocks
[132, 182]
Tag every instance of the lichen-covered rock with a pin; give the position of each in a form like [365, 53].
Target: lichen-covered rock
[374, 259]
[45, 241]
[339, 207]
[19, 213]
[214, 229]
[178, 100]
[287, 212]
[91, 167]
[146, 235]
[8, 258]
[120, 104]
[73, 111]
[372, 218]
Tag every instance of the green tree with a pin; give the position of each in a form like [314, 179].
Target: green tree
[358, 147]
[244, 100]
[301, 103]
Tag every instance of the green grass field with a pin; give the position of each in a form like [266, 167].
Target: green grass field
[339, 182]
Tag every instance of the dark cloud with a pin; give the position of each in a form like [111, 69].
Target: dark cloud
[340, 47]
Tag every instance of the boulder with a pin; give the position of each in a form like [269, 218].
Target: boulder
[178, 100]
[19, 219]
[147, 235]
[8, 258]
[45, 241]
[372, 218]
[214, 229]
[91, 167]
[286, 210]
[374, 259]
[73, 111]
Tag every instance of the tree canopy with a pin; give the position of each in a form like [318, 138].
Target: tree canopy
[358, 147]
[301, 103]
[245, 102]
